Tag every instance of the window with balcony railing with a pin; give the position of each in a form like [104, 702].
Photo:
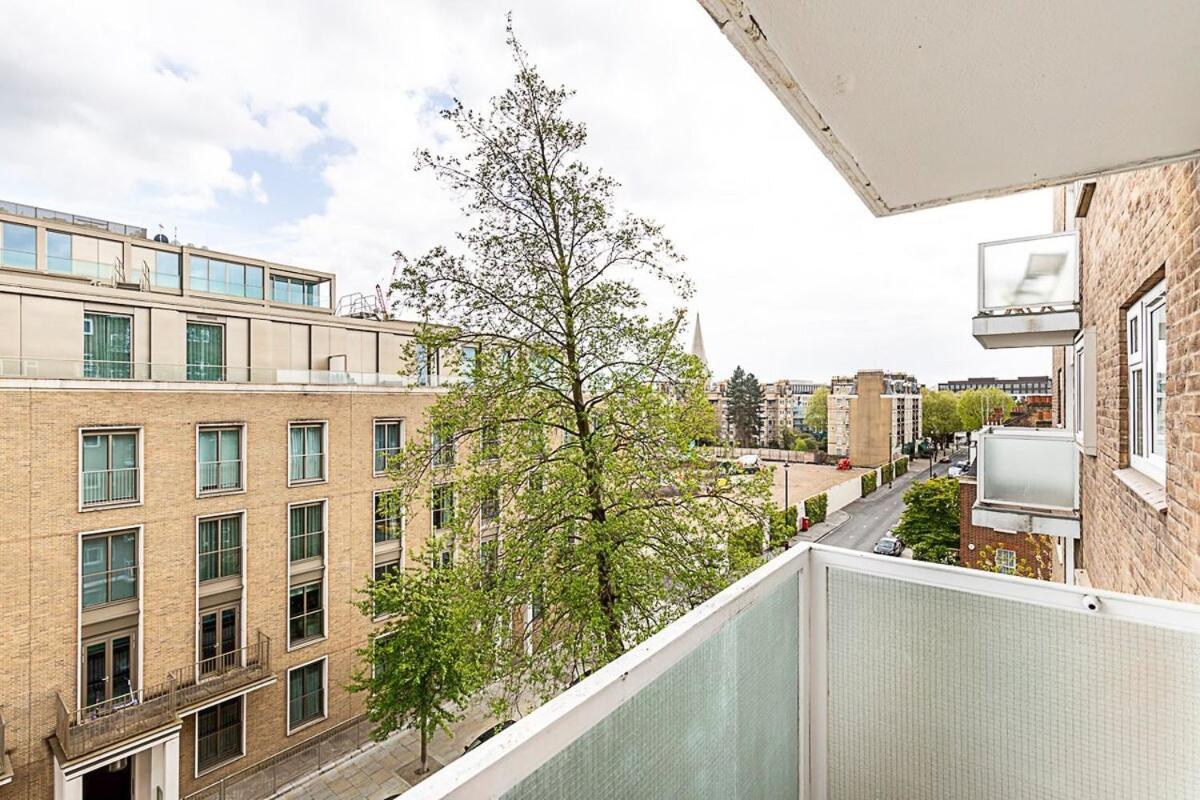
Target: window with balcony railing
[205, 351]
[220, 547]
[107, 346]
[110, 474]
[300, 291]
[18, 246]
[306, 452]
[225, 277]
[218, 734]
[108, 568]
[86, 256]
[219, 459]
[157, 268]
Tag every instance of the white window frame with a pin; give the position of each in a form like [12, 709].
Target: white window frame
[1139, 378]
[1007, 565]
[1083, 399]
[374, 450]
[287, 560]
[432, 516]
[200, 518]
[219, 426]
[196, 771]
[287, 710]
[80, 688]
[141, 467]
[375, 518]
[308, 423]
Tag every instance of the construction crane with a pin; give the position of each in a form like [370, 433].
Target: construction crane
[384, 299]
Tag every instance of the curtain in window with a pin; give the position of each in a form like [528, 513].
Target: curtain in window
[231, 456]
[205, 352]
[296, 452]
[312, 452]
[107, 346]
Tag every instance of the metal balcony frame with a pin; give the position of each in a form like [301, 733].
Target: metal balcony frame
[1046, 325]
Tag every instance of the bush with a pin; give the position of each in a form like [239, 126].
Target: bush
[816, 507]
[901, 466]
[746, 546]
[887, 473]
[783, 526]
[869, 483]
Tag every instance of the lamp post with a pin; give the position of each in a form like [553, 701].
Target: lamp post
[786, 465]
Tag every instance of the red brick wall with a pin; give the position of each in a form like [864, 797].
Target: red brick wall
[1037, 554]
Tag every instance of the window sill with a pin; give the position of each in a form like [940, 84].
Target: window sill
[307, 724]
[221, 492]
[1148, 490]
[291, 648]
[308, 482]
[109, 506]
[201, 772]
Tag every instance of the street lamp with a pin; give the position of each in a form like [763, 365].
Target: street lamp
[786, 464]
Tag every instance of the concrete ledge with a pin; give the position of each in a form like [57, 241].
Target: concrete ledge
[1026, 330]
[1025, 521]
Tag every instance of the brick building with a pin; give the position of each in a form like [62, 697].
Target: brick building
[873, 415]
[191, 461]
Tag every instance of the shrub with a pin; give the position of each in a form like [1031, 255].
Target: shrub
[816, 507]
[745, 546]
[901, 466]
[783, 526]
[887, 472]
[869, 483]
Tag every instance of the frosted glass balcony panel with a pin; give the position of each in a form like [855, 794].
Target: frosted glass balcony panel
[1027, 467]
[1029, 273]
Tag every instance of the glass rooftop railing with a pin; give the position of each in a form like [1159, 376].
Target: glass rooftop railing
[840, 675]
[76, 369]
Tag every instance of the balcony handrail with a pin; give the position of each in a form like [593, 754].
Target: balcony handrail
[103, 486]
[1035, 305]
[212, 473]
[83, 729]
[118, 370]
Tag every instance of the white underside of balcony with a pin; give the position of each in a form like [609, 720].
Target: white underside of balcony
[1048, 329]
[1016, 520]
[928, 102]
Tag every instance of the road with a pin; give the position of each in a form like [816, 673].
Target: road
[871, 517]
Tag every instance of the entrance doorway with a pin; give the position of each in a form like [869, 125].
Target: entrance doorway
[111, 782]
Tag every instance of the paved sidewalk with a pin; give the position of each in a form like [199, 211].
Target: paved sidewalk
[815, 532]
[374, 772]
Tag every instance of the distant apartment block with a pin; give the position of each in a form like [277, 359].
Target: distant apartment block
[784, 404]
[1020, 388]
[194, 451]
[873, 415]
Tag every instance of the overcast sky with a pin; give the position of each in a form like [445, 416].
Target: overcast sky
[286, 131]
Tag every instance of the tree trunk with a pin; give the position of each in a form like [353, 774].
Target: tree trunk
[424, 752]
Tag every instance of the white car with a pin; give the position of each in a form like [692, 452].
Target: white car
[748, 463]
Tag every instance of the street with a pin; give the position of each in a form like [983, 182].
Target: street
[871, 517]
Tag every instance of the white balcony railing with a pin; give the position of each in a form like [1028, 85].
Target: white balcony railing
[1028, 480]
[1028, 291]
[836, 675]
[102, 486]
[220, 476]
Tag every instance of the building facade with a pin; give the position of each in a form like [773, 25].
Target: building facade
[784, 404]
[1020, 388]
[194, 457]
[873, 415]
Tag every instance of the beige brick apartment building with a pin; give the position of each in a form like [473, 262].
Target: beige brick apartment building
[873, 415]
[191, 452]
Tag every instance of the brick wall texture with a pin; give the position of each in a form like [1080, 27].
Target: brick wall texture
[1141, 226]
[39, 446]
[1038, 555]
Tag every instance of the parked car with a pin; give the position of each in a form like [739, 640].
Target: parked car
[748, 463]
[489, 733]
[889, 545]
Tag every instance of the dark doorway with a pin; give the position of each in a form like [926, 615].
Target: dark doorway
[112, 782]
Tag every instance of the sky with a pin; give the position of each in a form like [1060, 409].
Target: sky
[286, 131]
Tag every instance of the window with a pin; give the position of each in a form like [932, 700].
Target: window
[219, 634]
[389, 517]
[155, 267]
[489, 442]
[306, 694]
[306, 531]
[1006, 561]
[1083, 376]
[1146, 347]
[205, 352]
[110, 472]
[110, 670]
[73, 254]
[306, 614]
[389, 438]
[442, 445]
[224, 277]
[306, 452]
[442, 506]
[428, 366]
[218, 734]
[300, 292]
[383, 570]
[219, 459]
[467, 361]
[109, 568]
[219, 547]
[107, 346]
[489, 508]
[18, 245]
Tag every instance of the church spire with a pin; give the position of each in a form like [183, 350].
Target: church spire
[698, 343]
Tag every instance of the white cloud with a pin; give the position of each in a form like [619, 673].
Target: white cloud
[135, 110]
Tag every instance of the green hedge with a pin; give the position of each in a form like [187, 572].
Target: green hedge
[886, 470]
[783, 525]
[816, 507]
[869, 483]
[901, 466]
